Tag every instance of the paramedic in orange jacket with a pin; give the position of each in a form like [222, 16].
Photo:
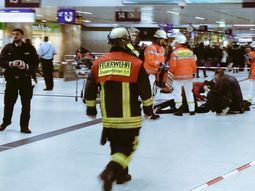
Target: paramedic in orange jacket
[183, 66]
[122, 81]
[251, 62]
[154, 55]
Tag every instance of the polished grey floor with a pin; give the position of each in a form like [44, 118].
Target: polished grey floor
[174, 154]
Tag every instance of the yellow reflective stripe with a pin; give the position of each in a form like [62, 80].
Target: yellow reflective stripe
[187, 57]
[148, 102]
[126, 100]
[136, 52]
[122, 120]
[122, 126]
[121, 159]
[130, 46]
[102, 97]
[90, 103]
[184, 53]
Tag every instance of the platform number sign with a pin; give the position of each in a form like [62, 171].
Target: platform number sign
[22, 3]
[66, 16]
[133, 16]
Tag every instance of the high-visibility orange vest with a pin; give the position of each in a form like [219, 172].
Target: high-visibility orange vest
[252, 63]
[154, 56]
[182, 64]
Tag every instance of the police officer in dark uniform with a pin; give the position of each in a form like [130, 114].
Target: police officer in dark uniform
[19, 62]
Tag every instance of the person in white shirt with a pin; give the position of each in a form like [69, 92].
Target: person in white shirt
[46, 53]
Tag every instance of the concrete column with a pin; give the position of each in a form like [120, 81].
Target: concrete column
[71, 38]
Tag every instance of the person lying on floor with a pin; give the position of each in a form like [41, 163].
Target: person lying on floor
[198, 88]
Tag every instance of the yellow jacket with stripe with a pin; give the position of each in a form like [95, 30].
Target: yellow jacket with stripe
[121, 81]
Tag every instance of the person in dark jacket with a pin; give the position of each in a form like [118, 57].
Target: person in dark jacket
[121, 79]
[20, 62]
[237, 96]
[200, 53]
[220, 95]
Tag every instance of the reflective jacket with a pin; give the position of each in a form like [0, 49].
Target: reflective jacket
[182, 64]
[252, 63]
[154, 56]
[121, 79]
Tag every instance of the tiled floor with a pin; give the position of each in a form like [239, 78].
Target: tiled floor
[174, 154]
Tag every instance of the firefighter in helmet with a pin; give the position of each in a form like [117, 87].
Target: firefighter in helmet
[183, 66]
[121, 79]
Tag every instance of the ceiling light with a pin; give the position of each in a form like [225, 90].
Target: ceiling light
[252, 29]
[86, 21]
[84, 12]
[172, 12]
[44, 21]
[220, 22]
[200, 18]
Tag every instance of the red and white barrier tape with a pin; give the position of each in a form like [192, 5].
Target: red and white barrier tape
[220, 178]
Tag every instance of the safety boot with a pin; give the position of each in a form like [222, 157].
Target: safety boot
[107, 176]
[123, 179]
[179, 112]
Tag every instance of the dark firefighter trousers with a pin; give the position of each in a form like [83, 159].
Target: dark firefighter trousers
[123, 143]
[23, 87]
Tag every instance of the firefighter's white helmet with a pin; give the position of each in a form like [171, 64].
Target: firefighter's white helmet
[180, 38]
[160, 34]
[252, 45]
[119, 33]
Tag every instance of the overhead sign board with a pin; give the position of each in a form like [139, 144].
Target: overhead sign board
[66, 16]
[134, 16]
[17, 15]
[22, 3]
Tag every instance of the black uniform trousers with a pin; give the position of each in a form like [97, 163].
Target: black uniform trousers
[47, 69]
[23, 87]
[122, 141]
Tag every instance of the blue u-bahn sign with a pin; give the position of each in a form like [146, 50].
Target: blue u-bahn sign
[66, 16]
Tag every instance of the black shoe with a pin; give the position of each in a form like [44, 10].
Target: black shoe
[154, 116]
[192, 113]
[26, 130]
[123, 179]
[178, 113]
[47, 89]
[2, 127]
[107, 176]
